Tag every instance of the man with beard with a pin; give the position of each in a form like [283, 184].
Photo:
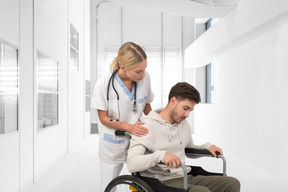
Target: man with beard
[160, 153]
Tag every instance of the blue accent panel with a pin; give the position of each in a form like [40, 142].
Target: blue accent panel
[124, 87]
[140, 101]
[109, 138]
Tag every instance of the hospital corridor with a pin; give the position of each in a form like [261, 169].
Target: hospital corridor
[74, 72]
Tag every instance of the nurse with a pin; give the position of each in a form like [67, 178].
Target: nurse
[120, 98]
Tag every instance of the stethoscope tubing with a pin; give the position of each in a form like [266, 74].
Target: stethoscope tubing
[111, 81]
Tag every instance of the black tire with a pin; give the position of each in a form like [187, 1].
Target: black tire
[122, 184]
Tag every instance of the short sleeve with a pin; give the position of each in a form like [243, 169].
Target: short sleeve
[98, 100]
[150, 93]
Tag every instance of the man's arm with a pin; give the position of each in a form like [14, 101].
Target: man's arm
[137, 159]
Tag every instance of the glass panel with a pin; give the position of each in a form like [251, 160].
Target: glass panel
[47, 74]
[74, 38]
[154, 68]
[172, 70]
[87, 96]
[47, 92]
[47, 109]
[212, 74]
[74, 48]
[87, 103]
[74, 59]
[8, 89]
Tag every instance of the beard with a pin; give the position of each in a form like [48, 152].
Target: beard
[176, 118]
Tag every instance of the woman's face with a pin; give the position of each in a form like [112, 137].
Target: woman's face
[137, 73]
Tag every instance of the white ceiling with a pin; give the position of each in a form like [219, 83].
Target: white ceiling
[190, 8]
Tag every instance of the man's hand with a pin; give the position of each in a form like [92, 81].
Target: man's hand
[171, 160]
[213, 150]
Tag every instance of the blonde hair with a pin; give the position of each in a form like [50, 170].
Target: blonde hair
[129, 55]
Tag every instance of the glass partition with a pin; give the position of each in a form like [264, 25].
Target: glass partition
[74, 48]
[47, 91]
[8, 89]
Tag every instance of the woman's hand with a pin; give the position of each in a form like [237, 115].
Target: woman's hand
[138, 130]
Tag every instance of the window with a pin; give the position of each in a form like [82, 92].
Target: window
[211, 73]
[207, 76]
[164, 67]
[172, 70]
[47, 91]
[8, 89]
[155, 69]
[87, 96]
[74, 48]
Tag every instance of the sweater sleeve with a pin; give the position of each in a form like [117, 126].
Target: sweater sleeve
[140, 154]
[139, 161]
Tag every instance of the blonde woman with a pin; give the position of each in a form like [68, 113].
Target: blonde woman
[120, 98]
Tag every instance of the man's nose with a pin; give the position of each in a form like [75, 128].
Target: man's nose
[187, 114]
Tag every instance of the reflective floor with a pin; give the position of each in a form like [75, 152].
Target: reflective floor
[79, 172]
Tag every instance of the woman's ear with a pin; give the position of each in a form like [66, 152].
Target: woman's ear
[122, 67]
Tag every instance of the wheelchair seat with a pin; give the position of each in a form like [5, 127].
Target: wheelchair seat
[136, 182]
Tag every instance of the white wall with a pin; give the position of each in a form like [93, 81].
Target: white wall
[250, 120]
[32, 26]
[50, 38]
[9, 143]
[26, 94]
[76, 80]
[87, 61]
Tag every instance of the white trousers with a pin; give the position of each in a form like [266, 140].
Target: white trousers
[109, 171]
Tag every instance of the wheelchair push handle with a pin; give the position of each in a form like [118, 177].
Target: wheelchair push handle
[122, 133]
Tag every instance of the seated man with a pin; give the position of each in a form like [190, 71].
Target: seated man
[169, 135]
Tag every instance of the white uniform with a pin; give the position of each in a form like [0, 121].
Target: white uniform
[113, 149]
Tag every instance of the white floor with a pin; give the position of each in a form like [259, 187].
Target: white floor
[79, 172]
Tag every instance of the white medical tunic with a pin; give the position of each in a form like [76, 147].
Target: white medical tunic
[113, 149]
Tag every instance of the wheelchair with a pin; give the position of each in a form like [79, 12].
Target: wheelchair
[138, 183]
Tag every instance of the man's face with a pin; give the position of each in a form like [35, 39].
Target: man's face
[181, 110]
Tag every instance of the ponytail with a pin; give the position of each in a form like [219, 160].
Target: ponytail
[114, 65]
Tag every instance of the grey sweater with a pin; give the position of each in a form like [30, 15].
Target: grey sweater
[146, 152]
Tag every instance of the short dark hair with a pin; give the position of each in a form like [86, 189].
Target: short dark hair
[183, 90]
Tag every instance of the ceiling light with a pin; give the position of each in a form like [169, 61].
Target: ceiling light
[217, 3]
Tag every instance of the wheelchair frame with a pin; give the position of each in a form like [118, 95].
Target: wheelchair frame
[136, 182]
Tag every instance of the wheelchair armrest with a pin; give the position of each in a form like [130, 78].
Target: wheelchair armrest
[199, 152]
[192, 152]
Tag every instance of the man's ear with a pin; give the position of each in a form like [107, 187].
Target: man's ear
[173, 100]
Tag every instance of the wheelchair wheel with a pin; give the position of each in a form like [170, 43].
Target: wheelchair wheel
[128, 183]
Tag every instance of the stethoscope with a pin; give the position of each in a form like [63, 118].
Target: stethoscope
[111, 80]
